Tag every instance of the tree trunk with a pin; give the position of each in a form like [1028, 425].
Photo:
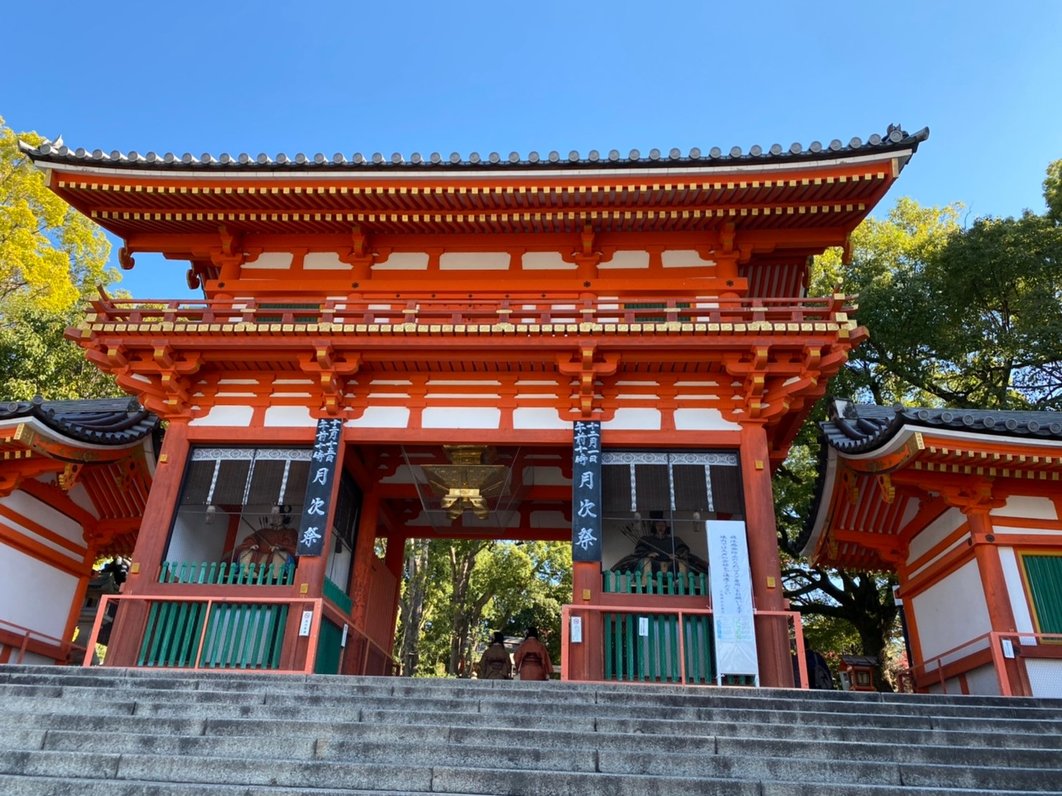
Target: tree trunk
[412, 610]
[462, 562]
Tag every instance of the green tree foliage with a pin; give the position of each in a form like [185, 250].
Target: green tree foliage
[51, 258]
[457, 592]
[963, 317]
[35, 359]
[1053, 191]
[888, 261]
[49, 253]
[958, 316]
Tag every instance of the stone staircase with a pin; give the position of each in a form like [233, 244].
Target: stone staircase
[115, 732]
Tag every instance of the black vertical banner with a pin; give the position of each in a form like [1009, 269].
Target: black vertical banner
[586, 491]
[319, 487]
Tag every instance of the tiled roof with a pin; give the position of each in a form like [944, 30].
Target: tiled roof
[106, 421]
[854, 428]
[894, 139]
[860, 428]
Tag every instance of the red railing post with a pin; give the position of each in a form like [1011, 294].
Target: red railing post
[101, 613]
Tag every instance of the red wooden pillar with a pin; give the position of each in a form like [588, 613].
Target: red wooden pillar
[586, 659]
[772, 634]
[150, 544]
[997, 598]
[361, 580]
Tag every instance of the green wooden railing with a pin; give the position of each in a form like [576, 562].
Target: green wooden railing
[337, 596]
[645, 647]
[223, 573]
[329, 649]
[691, 584]
[237, 635]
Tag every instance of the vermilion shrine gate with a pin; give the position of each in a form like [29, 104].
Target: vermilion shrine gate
[457, 317]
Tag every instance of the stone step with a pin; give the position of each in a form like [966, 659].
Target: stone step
[11, 785]
[253, 720]
[461, 778]
[571, 692]
[328, 739]
[454, 778]
[545, 702]
[593, 753]
[61, 786]
[139, 732]
[270, 705]
[568, 753]
[232, 680]
[64, 786]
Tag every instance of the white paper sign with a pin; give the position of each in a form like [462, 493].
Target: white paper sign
[643, 625]
[731, 582]
[304, 626]
[577, 629]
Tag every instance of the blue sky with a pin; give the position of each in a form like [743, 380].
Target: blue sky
[405, 77]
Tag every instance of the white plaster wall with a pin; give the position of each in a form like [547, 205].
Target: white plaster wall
[1019, 603]
[270, 261]
[627, 259]
[403, 261]
[382, 417]
[634, 420]
[983, 681]
[195, 540]
[952, 612]
[324, 261]
[474, 261]
[910, 511]
[80, 496]
[32, 659]
[460, 417]
[1045, 677]
[43, 514]
[934, 533]
[683, 258]
[1035, 508]
[234, 416]
[703, 420]
[539, 417]
[34, 594]
[289, 416]
[548, 519]
[542, 261]
[1026, 531]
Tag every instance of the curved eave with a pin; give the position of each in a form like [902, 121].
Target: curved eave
[837, 195]
[868, 429]
[92, 424]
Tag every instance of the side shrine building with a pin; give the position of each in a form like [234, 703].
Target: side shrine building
[965, 507]
[74, 479]
[613, 350]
